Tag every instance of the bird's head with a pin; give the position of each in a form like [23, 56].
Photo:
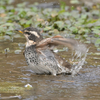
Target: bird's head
[32, 35]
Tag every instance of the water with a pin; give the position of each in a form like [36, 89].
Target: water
[79, 55]
[14, 76]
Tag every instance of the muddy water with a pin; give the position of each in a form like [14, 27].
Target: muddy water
[14, 75]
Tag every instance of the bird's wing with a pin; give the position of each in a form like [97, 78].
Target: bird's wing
[57, 40]
[54, 61]
[62, 61]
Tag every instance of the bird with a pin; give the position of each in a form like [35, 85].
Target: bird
[39, 54]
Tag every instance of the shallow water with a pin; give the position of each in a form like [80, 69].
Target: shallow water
[13, 73]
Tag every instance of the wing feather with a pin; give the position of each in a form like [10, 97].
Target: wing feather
[58, 40]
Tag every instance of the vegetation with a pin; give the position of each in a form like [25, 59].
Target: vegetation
[79, 22]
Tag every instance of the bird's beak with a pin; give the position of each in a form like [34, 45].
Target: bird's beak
[20, 31]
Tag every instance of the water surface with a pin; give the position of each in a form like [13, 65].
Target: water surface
[13, 75]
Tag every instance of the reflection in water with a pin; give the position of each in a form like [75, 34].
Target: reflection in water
[47, 87]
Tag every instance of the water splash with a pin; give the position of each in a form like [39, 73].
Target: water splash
[78, 58]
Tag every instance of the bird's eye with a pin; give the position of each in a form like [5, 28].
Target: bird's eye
[27, 33]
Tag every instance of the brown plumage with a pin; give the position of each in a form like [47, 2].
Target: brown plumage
[39, 52]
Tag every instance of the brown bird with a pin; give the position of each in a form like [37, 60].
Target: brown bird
[39, 52]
